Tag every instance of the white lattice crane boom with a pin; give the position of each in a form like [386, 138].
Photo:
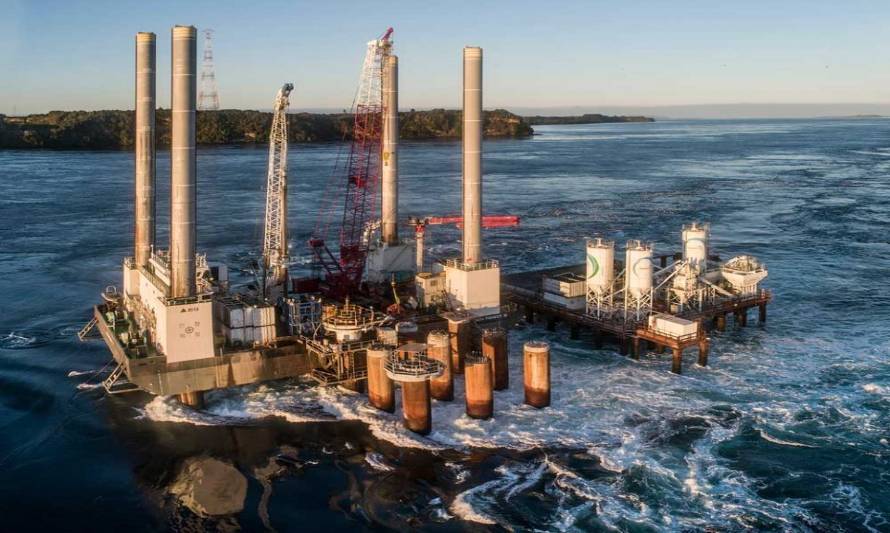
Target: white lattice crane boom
[275, 232]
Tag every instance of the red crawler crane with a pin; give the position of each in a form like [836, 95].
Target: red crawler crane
[344, 275]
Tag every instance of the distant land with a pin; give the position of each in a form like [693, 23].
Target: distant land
[113, 130]
[719, 111]
[587, 118]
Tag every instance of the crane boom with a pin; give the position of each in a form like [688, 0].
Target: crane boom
[344, 274]
[275, 231]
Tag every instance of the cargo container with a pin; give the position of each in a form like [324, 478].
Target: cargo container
[672, 326]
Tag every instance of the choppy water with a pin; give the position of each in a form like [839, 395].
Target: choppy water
[787, 430]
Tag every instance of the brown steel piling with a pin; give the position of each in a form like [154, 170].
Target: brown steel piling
[381, 393]
[494, 347]
[478, 380]
[677, 363]
[460, 331]
[194, 399]
[703, 348]
[416, 406]
[536, 371]
[439, 349]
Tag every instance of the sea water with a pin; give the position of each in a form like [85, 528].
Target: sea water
[787, 429]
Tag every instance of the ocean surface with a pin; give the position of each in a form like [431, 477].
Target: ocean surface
[786, 430]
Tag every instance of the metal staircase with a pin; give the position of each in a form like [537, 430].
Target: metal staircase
[88, 330]
[117, 382]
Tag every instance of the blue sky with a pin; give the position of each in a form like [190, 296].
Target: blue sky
[591, 54]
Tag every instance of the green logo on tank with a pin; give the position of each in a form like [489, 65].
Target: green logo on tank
[594, 266]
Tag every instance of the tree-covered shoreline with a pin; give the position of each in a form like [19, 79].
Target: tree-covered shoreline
[113, 129]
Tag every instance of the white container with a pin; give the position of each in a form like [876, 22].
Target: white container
[234, 315]
[672, 326]
[576, 303]
[263, 334]
[269, 315]
[600, 265]
[638, 265]
[235, 336]
[566, 284]
[695, 244]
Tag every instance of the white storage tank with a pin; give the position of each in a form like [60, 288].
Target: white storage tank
[600, 265]
[638, 268]
[695, 244]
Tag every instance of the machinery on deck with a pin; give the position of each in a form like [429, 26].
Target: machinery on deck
[343, 273]
[275, 227]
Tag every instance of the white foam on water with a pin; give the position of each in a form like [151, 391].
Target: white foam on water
[75, 373]
[168, 409]
[766, 436]
[378, 462]
[872, 388]
[614, 408]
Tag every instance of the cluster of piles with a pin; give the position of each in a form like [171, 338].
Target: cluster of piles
[425, 371]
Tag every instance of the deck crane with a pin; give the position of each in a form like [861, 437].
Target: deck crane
[275, 230]
[343, 274]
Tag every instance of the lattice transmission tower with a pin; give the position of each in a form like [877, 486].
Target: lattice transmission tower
[208, 97]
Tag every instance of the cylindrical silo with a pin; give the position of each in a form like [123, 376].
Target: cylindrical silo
[438, 348]
[478, 385]
[472, 155]
[146, 103]
[638, 268]
[380, 387]
[183, 172]
[536, 370]
[600, 265]
[695, 244]
[390, 154]
[416, 406]
[494, 347]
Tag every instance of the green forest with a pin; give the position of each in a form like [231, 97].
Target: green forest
[113, 130]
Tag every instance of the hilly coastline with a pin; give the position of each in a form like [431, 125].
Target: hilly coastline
[113, 129]
[587, 118]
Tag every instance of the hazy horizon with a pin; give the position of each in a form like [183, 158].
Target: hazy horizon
[685, 59]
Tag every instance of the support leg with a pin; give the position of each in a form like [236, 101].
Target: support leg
[598, 339]
[574, 332]
[551, 323]
[529, 314]
[192, 399]
[635, 353]
[622, 345]
[721, 322]
[762, 317]
[703, 348]
[677, 363]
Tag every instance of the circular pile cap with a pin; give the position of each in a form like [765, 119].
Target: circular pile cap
[412, 369]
